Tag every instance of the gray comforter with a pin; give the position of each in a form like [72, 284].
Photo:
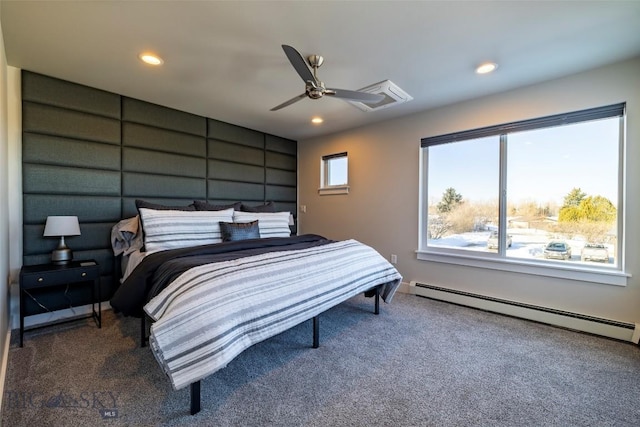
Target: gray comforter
[211, 313]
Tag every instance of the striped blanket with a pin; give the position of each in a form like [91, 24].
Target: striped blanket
[211, 313]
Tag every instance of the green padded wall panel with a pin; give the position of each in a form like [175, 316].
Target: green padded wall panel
[144, 136]
[227, 132]
[280, 193]
[280, 161]
[155, 162]
[36, 208]
[286, 207]
[145, 185]
[142, 112]
[234, 191]
[59, 93]
[235, 153]
[281, 177]
[48, 120]
[231, 171]
[48, 179]
[54, 150]
[281, 145]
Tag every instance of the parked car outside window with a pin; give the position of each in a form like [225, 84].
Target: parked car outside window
[492, 242]
[557, 249]
[594, 252]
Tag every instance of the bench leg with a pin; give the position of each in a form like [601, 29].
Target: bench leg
[143, 331]
[316, 332]
[195, 397]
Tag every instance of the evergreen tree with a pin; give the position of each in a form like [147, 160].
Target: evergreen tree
[574, 198]
[450, 199]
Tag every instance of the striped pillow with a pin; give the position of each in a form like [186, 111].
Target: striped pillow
[271, 224]
[169, 229]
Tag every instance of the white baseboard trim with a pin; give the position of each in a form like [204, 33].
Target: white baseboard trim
[575, 321]
[404, 288]
[3, 368]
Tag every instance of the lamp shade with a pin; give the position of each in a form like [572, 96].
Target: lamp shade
[61, 226]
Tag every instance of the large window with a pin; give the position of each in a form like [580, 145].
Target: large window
[543, 193]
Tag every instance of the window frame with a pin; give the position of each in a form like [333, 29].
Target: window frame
[325, 188]
[499, 261]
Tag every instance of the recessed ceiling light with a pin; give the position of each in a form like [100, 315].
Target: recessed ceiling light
[317, 120]
[151, 59]
[487, 67]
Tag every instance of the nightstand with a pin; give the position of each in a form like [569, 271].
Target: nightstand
[75, 273]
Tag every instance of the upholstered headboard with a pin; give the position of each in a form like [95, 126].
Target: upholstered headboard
[91, 153]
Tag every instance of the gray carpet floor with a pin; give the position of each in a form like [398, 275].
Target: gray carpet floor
[419, 363]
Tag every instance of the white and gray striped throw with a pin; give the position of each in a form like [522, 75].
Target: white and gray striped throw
[211, 313]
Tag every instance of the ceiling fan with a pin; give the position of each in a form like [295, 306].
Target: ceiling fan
[314, 88]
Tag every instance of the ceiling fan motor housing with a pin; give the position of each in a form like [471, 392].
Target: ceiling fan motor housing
[315, 91]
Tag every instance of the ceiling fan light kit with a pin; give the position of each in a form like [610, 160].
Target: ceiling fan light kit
[314, 87]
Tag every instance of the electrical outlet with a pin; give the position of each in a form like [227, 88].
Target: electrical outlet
[394, 259]
[303, 208]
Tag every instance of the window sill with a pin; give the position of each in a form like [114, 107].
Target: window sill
[337, 189]
[583, 274]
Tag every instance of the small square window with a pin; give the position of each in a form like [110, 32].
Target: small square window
[334, 174]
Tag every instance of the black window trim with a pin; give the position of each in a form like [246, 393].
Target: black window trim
[334, 156]
[607, 111]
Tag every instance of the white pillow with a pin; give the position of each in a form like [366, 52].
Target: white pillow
[169, 229]
[271, 224]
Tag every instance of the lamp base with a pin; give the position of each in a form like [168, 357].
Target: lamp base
[61, 256]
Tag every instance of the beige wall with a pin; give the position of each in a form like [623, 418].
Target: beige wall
[4, 202]
[382, 206]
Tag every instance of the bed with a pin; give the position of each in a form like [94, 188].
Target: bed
[211, 300]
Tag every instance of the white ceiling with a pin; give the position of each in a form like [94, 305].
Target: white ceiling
[223, 59]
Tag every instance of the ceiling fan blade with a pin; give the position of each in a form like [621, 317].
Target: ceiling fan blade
[352, 95]
[289, 102]
[298, 63]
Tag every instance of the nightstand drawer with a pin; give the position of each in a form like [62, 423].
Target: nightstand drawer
[53, 277]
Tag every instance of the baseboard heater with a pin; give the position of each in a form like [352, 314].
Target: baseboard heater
[580, 322]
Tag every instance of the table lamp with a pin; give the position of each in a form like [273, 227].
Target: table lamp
[60, 226]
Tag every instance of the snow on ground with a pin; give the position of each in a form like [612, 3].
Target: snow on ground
[526, 243]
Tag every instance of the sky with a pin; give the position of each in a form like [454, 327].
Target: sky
[338, 171]
[543, 165]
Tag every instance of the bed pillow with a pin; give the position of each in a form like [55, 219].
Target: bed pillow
[204, 206]
[150, 205]
[267, 207]
[270, 224]
[232, 231]
[171, 229]
[158, 207]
